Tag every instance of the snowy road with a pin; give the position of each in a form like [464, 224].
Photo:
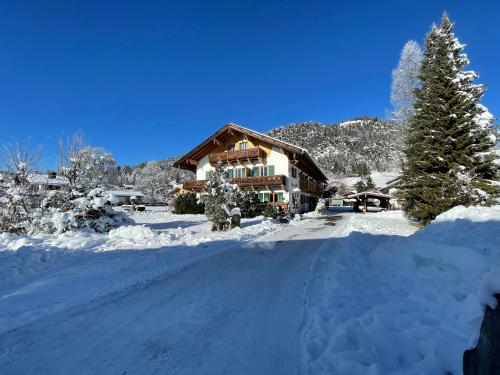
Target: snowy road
[237, 312]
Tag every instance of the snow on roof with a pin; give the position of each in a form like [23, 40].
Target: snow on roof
[268, 136]
[372, 194]
[44, 179]
[125, 193]
[380, 179]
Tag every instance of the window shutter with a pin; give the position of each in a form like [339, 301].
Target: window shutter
[255, 171]
[270, 170]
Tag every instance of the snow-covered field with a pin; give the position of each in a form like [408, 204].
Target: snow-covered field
[343, 293]
[385, 300]
[43, 274]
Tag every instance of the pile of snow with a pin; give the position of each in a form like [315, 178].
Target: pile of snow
[383, 301]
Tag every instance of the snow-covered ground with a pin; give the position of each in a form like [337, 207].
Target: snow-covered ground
[343, 293]
[44, 274]
[223, 306]
[385, 300]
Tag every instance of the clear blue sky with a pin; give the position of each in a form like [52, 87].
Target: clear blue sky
[150, 79]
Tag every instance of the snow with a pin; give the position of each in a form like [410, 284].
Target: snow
[385, 298]
[82, 265]
[44, 179]
[341, 293]
[225, 306]
[124, 193]
[380, 179]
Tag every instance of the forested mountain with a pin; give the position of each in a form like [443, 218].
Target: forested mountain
[355, 147]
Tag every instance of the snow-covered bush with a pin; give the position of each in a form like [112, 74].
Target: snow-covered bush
[321, 206]
[270, 211]
[220, 199]
[90, 211]
[15, 209]
[248, 202]
[188, 204]
[17, 200]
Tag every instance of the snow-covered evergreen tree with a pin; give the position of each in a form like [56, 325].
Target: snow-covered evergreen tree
[448, 149]
[370, 185]
[220, 200]
[405, 79]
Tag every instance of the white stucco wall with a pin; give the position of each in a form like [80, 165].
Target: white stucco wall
[202, 167]
[276, 158]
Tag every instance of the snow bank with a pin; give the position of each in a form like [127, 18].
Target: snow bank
[43, 274]
[384, 302]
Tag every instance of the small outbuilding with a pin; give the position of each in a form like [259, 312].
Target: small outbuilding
[125, 197]
[371, 201]
[47, 181]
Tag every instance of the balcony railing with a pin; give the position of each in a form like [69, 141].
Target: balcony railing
[310, 187]
[194, 185]
[257, 181]
[228, 156]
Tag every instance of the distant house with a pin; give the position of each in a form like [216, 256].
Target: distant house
[278, 172]
[121, 197]
[47, 181]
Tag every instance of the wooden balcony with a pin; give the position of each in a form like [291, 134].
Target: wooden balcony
[260, 181]
[194, 185]
[311, 187]
[230, 156]
[243, 182]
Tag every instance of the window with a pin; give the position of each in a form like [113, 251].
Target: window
[243, 145]
[230, 147]
[240, 172]
[208, 174]
[281, 197]
[264, 197]
[263, 171]
[230, 173]
[302, 199]
[294, 172]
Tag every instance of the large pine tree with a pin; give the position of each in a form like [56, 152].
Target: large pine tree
[450, 136]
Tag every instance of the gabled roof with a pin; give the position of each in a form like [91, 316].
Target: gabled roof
[370, 194]
[125, 193]
[294, 152]
[45, 179]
